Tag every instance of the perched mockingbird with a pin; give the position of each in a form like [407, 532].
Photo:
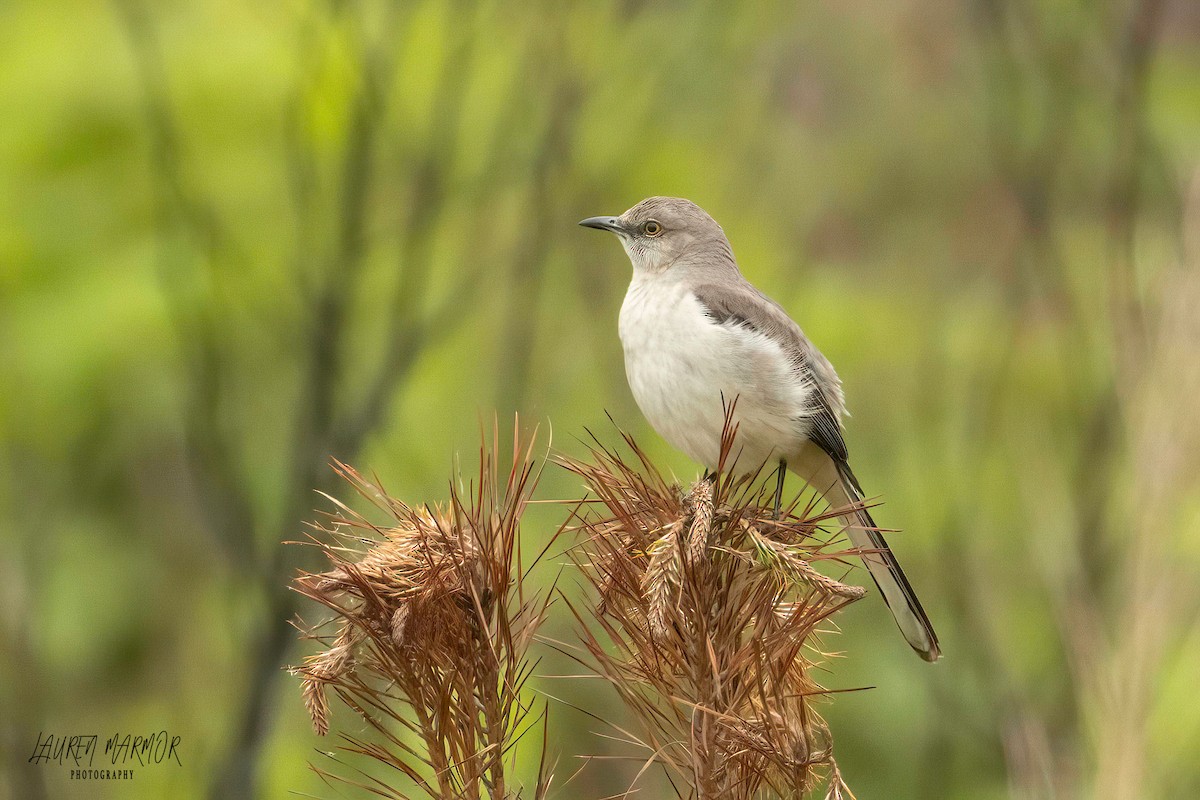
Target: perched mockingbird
[697, 335]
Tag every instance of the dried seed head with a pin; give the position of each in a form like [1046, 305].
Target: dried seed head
[700, 528]
[323, 668]
[661, 581]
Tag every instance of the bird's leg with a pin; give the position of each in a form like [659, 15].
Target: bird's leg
[781, 473]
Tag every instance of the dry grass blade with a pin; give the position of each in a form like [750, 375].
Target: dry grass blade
[433, 628]
[709, 612]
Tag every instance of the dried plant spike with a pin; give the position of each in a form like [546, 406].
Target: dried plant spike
[399, 621]
[661, 581]
[323, 668]
[315, 702]
[829, 585]
[701, 504]
[774, 554]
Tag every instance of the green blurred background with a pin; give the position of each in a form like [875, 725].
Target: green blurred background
[238, 238]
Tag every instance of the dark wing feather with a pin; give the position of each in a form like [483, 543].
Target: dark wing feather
[826, 431]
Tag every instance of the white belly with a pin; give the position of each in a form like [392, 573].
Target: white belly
[683, 368]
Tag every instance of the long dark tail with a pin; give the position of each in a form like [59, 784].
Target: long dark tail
[884, 568]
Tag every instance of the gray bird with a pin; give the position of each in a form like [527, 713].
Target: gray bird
[697, 334]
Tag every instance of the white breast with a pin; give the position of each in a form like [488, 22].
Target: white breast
[681, 366]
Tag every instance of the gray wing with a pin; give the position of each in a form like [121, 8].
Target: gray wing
[742, 304]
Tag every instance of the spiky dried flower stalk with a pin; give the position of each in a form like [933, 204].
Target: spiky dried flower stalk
[711, 609]
[433, 627]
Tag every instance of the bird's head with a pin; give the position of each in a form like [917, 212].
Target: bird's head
[660, 233]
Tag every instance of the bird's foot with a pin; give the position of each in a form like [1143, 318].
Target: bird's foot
[781, 473]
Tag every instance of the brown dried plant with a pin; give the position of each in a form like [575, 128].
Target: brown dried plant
[710, 612]
[433, 624]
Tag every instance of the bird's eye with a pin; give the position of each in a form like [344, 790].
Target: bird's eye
[652, 228]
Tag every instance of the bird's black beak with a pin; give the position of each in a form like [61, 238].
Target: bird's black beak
[603, 223]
